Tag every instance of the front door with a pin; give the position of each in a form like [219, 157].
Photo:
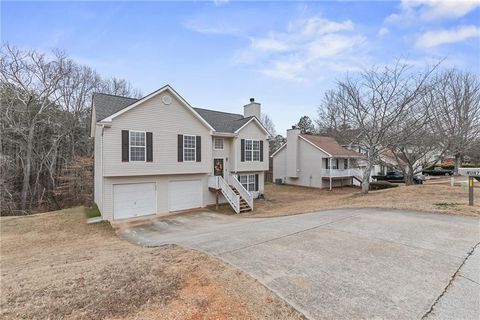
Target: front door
[218, 167]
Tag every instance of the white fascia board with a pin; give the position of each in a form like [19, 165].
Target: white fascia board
[258, 122]
[279, 149]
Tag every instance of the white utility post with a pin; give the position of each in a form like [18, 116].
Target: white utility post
[330, 168]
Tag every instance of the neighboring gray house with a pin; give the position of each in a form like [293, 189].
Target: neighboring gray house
[315, 161]
[157, 154]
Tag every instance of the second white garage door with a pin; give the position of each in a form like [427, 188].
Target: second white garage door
[185, 195]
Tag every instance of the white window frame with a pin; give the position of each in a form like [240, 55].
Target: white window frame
[250, 180]
[252, 151]
[215, 143]
[333, 166]
[194, 148]
[130, 146]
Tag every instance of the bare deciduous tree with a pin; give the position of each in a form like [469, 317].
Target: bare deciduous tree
[45, 105]
[373, 104]
[268, 124]
[456, 112]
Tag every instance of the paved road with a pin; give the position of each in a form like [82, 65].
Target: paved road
[344, 264]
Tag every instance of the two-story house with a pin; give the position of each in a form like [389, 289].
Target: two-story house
[158, 154]
[315, 161]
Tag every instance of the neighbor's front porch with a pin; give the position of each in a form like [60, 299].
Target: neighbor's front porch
[340, 169]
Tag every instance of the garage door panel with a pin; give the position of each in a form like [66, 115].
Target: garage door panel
[185, 195]
[133, 200]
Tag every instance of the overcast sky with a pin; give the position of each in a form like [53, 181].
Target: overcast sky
[219, 54]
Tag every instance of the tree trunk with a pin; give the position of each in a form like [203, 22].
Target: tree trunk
[408, 175]
[366, 178]
[458, 164]
[27, 168]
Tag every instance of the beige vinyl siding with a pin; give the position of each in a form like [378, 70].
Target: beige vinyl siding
[98, 176]
[280, 165]
[161, 182]
[251, 131]
[165, 122]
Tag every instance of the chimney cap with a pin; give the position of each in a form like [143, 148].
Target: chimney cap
[252, 99]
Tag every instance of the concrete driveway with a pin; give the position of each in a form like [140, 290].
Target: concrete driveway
[344, 264]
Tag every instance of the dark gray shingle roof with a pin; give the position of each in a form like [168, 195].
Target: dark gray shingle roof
[106, 105]
[222, 121]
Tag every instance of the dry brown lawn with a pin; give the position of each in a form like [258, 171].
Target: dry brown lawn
[430, 197]
[54, 266]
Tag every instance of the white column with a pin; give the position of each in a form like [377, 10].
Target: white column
[330, 169]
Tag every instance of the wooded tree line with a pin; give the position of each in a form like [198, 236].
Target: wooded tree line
[45, 149]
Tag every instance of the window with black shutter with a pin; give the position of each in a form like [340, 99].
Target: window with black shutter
[242, 150]
[149, 147]
[180, 148]
[199, 148]
[125, 146]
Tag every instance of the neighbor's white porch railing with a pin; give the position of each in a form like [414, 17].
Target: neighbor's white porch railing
[341, 172]
[247, 196]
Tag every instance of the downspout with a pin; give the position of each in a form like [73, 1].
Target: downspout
[101, 162]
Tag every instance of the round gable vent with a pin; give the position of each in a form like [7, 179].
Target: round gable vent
[166, 99]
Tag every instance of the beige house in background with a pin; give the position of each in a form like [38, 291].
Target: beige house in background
[158, 154]
[315, 161]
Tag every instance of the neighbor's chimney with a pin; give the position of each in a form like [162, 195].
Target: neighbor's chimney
[292, 151]
[252, 109]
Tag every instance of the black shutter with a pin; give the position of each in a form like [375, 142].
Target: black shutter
[149, 147]
[198, 145]
[261, 151]
[125, 145]
[180, 148]
[242, 150]
[256, 182]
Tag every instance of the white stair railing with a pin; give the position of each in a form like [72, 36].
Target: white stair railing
[247, 196]
[228, 193]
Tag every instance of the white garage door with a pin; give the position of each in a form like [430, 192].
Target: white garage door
[185, 195]
[133, 200]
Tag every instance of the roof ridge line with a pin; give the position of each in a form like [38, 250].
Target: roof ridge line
[115, 95]
[237, 114]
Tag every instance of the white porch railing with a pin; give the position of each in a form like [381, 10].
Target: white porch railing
[213, 182]
[341, 172]
[247, 196]
[228, 193]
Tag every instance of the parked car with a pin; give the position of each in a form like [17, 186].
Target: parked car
[397, 177]
[437, 171]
